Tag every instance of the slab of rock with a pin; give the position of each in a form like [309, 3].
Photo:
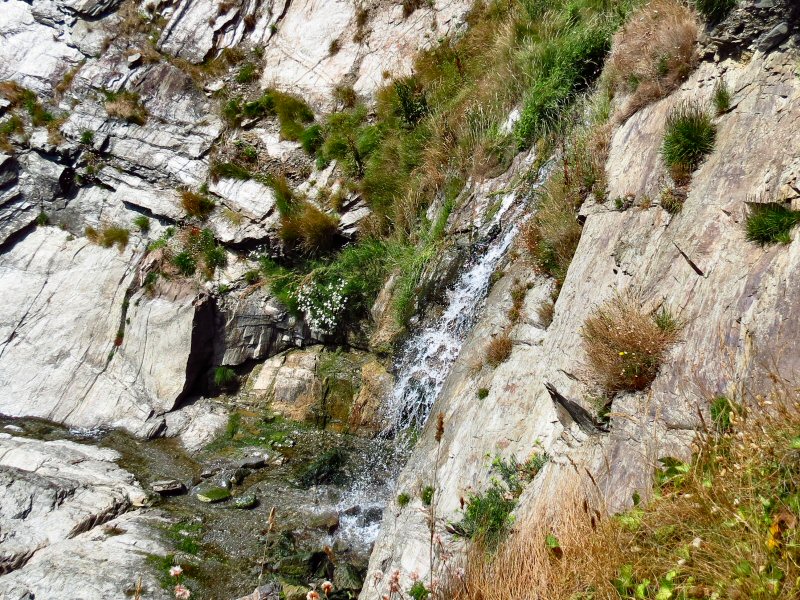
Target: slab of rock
[52, 491]
[213, 493]
[75, 373]
[289, 381]
[168, 487]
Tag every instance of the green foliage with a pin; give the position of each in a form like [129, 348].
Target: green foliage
[403, 499]
[224, 376]
[292, 112]
[311, 139]
[185, 263]
[426, 495]
[110, 235]
[672, 473]
[87, 137]
[689, 135]
[722, 97]
[142, 223]
[721, 410]
[229, 170]
[560, 67]
[483, 393]
[412, 101]
[714, 10]
[771, 223]
[418, 591]
[252, 277]
[247, 73]
[42, 219]
[666, 321]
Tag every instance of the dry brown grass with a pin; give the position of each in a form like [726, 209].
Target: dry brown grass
[108, 236]
[653, 53]
[625, 345]
[196, 205]
[498, 350]
[723, 527]
[313, 230]
[126, 106]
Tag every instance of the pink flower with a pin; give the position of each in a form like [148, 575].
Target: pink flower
[182, 592]
[394, 582]
[312, 595]
[175, 571]
[414, 576]
[327, 587]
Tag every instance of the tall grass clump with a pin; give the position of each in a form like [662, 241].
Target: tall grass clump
[714, 10]
[724, 526]
[196, 204]
[721, 97]
[625, 346]
[652, 53]
[771, 223]
[315, 232]
[689, 135]
[126, 106]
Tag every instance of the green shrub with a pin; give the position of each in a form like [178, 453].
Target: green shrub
[688, 136]
[185, 263]
[311, 139]
[42, 219]
[108, 236]
[403, 499]
[247, 73]
[483, 393]
[418, 591]
[426, 495]
[224, 377]
[252, 277]
[487, 516]
[312, 230]
[771, 223]
[142, 223]
[87, 137]
[722, 97]
[714, 10]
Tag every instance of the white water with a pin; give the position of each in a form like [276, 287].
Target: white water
[427, 357]
[421, 369]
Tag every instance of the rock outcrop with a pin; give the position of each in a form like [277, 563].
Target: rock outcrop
[61, 515]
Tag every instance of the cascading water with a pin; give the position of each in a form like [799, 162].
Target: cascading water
[424, 364]
[427, 357]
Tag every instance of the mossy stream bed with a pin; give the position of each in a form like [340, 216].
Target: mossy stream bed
[328, 491]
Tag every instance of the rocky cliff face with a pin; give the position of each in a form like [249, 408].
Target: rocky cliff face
[735, 299]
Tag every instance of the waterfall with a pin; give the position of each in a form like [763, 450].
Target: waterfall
[427, 357]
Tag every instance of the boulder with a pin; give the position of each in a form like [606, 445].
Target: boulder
[376, 385]
[289, 381]
[168, 487]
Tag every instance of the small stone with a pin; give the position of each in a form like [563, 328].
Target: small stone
[14, 428]
[252, 462]
[134, 60]
[168, 487]
[215, 86]
[328, 520]
[213, 494]
[246, 501]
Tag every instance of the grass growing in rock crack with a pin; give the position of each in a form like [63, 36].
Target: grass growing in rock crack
[625, 345]
[689, 135]
[771, 223]
[714, 10]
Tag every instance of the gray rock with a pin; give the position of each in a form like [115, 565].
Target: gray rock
[212, 494]
[245, 502]
[773, 37]
[168, 487]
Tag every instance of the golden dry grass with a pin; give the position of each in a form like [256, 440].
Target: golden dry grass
[498, 350]
[313, 230]
[126, 106]
[653, 53]
[625, 345]
[723, 527]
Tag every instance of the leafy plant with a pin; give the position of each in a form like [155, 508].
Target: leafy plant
[770, 223]
[247, 73]
[42, 219]
[403, 499]
[142, 223]
[185, 263]
[418, 591]
[426, 495]
[87, 137]
[483, 393]
[721, 412]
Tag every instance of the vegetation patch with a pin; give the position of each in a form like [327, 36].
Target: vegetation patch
[653, 53]
[196, 204]
[714, 10]
[126, 106]
[498, 350]
[626, 346]
[689, 135]
[724, 525]
[292, 112]
[721, 97]
[771, 223]
[108, 236]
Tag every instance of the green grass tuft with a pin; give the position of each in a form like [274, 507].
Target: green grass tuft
[689, 136]
[771, 223]
[714, 10]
